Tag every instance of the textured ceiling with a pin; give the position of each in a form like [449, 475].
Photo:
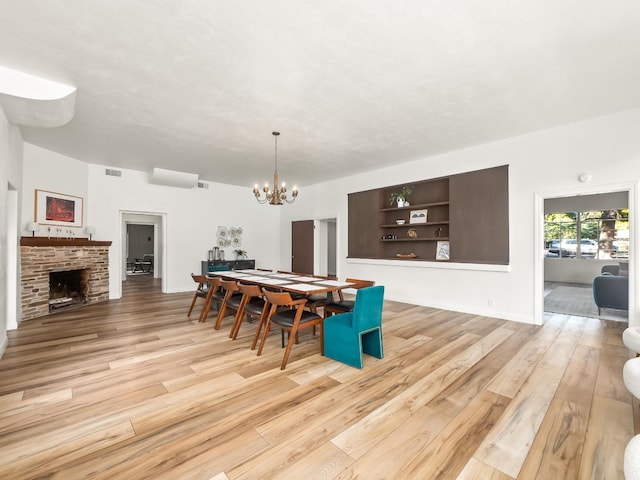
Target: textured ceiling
[198, 86]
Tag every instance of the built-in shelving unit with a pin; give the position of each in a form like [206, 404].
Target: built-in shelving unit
[426, 220]
[469, 210]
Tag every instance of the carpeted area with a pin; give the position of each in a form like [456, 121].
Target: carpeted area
[578, 300]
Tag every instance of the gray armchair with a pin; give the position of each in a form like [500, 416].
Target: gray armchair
[610, 269]
[611, 291]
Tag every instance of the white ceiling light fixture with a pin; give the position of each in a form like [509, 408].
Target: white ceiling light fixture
[279, 194]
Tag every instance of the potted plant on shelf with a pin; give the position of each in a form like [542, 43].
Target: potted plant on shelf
[401, 197]
[240, 253]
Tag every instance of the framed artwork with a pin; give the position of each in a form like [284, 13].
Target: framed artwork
[58, 209]
[418, 216]
[442, 250]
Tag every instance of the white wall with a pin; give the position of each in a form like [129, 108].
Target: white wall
[545, 164]
[192, 215]
[192, 218]
[47, 170]
[10, 193]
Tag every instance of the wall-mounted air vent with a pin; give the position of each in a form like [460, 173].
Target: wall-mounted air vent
[203, 185]
[113, 172]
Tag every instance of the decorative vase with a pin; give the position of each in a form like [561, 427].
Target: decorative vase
[400, 202]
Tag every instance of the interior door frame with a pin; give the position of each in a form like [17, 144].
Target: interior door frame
[539, 198]
[159, 244]
[320, 244]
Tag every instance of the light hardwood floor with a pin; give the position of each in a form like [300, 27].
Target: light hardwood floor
[134, 389]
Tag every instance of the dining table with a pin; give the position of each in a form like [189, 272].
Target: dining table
[287, 282]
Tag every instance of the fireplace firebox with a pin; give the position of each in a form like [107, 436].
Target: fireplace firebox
[68, 288]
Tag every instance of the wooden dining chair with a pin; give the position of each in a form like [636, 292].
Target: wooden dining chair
[342, 305]
[201, 291]
[232, 298]
[292, 319]
[252, 305]
[314, 301]
[213, 296]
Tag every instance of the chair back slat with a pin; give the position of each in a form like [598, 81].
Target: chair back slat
[278, 298]
[250, 290]
[229, 285]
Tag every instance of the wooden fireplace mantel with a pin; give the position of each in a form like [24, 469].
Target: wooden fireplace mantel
[61, 242]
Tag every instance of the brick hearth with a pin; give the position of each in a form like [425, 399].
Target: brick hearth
[40, 255]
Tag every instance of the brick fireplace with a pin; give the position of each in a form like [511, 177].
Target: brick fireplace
[40, 256]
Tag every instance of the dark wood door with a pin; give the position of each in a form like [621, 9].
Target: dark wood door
[302, 246]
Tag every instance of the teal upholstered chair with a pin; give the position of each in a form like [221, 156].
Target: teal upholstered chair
[348, 335]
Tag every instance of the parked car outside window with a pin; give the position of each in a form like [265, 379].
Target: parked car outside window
[568, 247]
[588, 247]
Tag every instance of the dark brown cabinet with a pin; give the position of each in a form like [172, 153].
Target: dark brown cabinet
[468, 210]
[208, 266]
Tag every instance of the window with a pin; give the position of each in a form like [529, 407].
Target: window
[601, 234]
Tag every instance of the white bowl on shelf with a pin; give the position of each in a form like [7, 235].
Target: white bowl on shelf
[400, 222]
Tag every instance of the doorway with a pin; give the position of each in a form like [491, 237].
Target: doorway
[140, 248]
[552, 269]
[327, 255]
[143, 238]
[314, 247]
